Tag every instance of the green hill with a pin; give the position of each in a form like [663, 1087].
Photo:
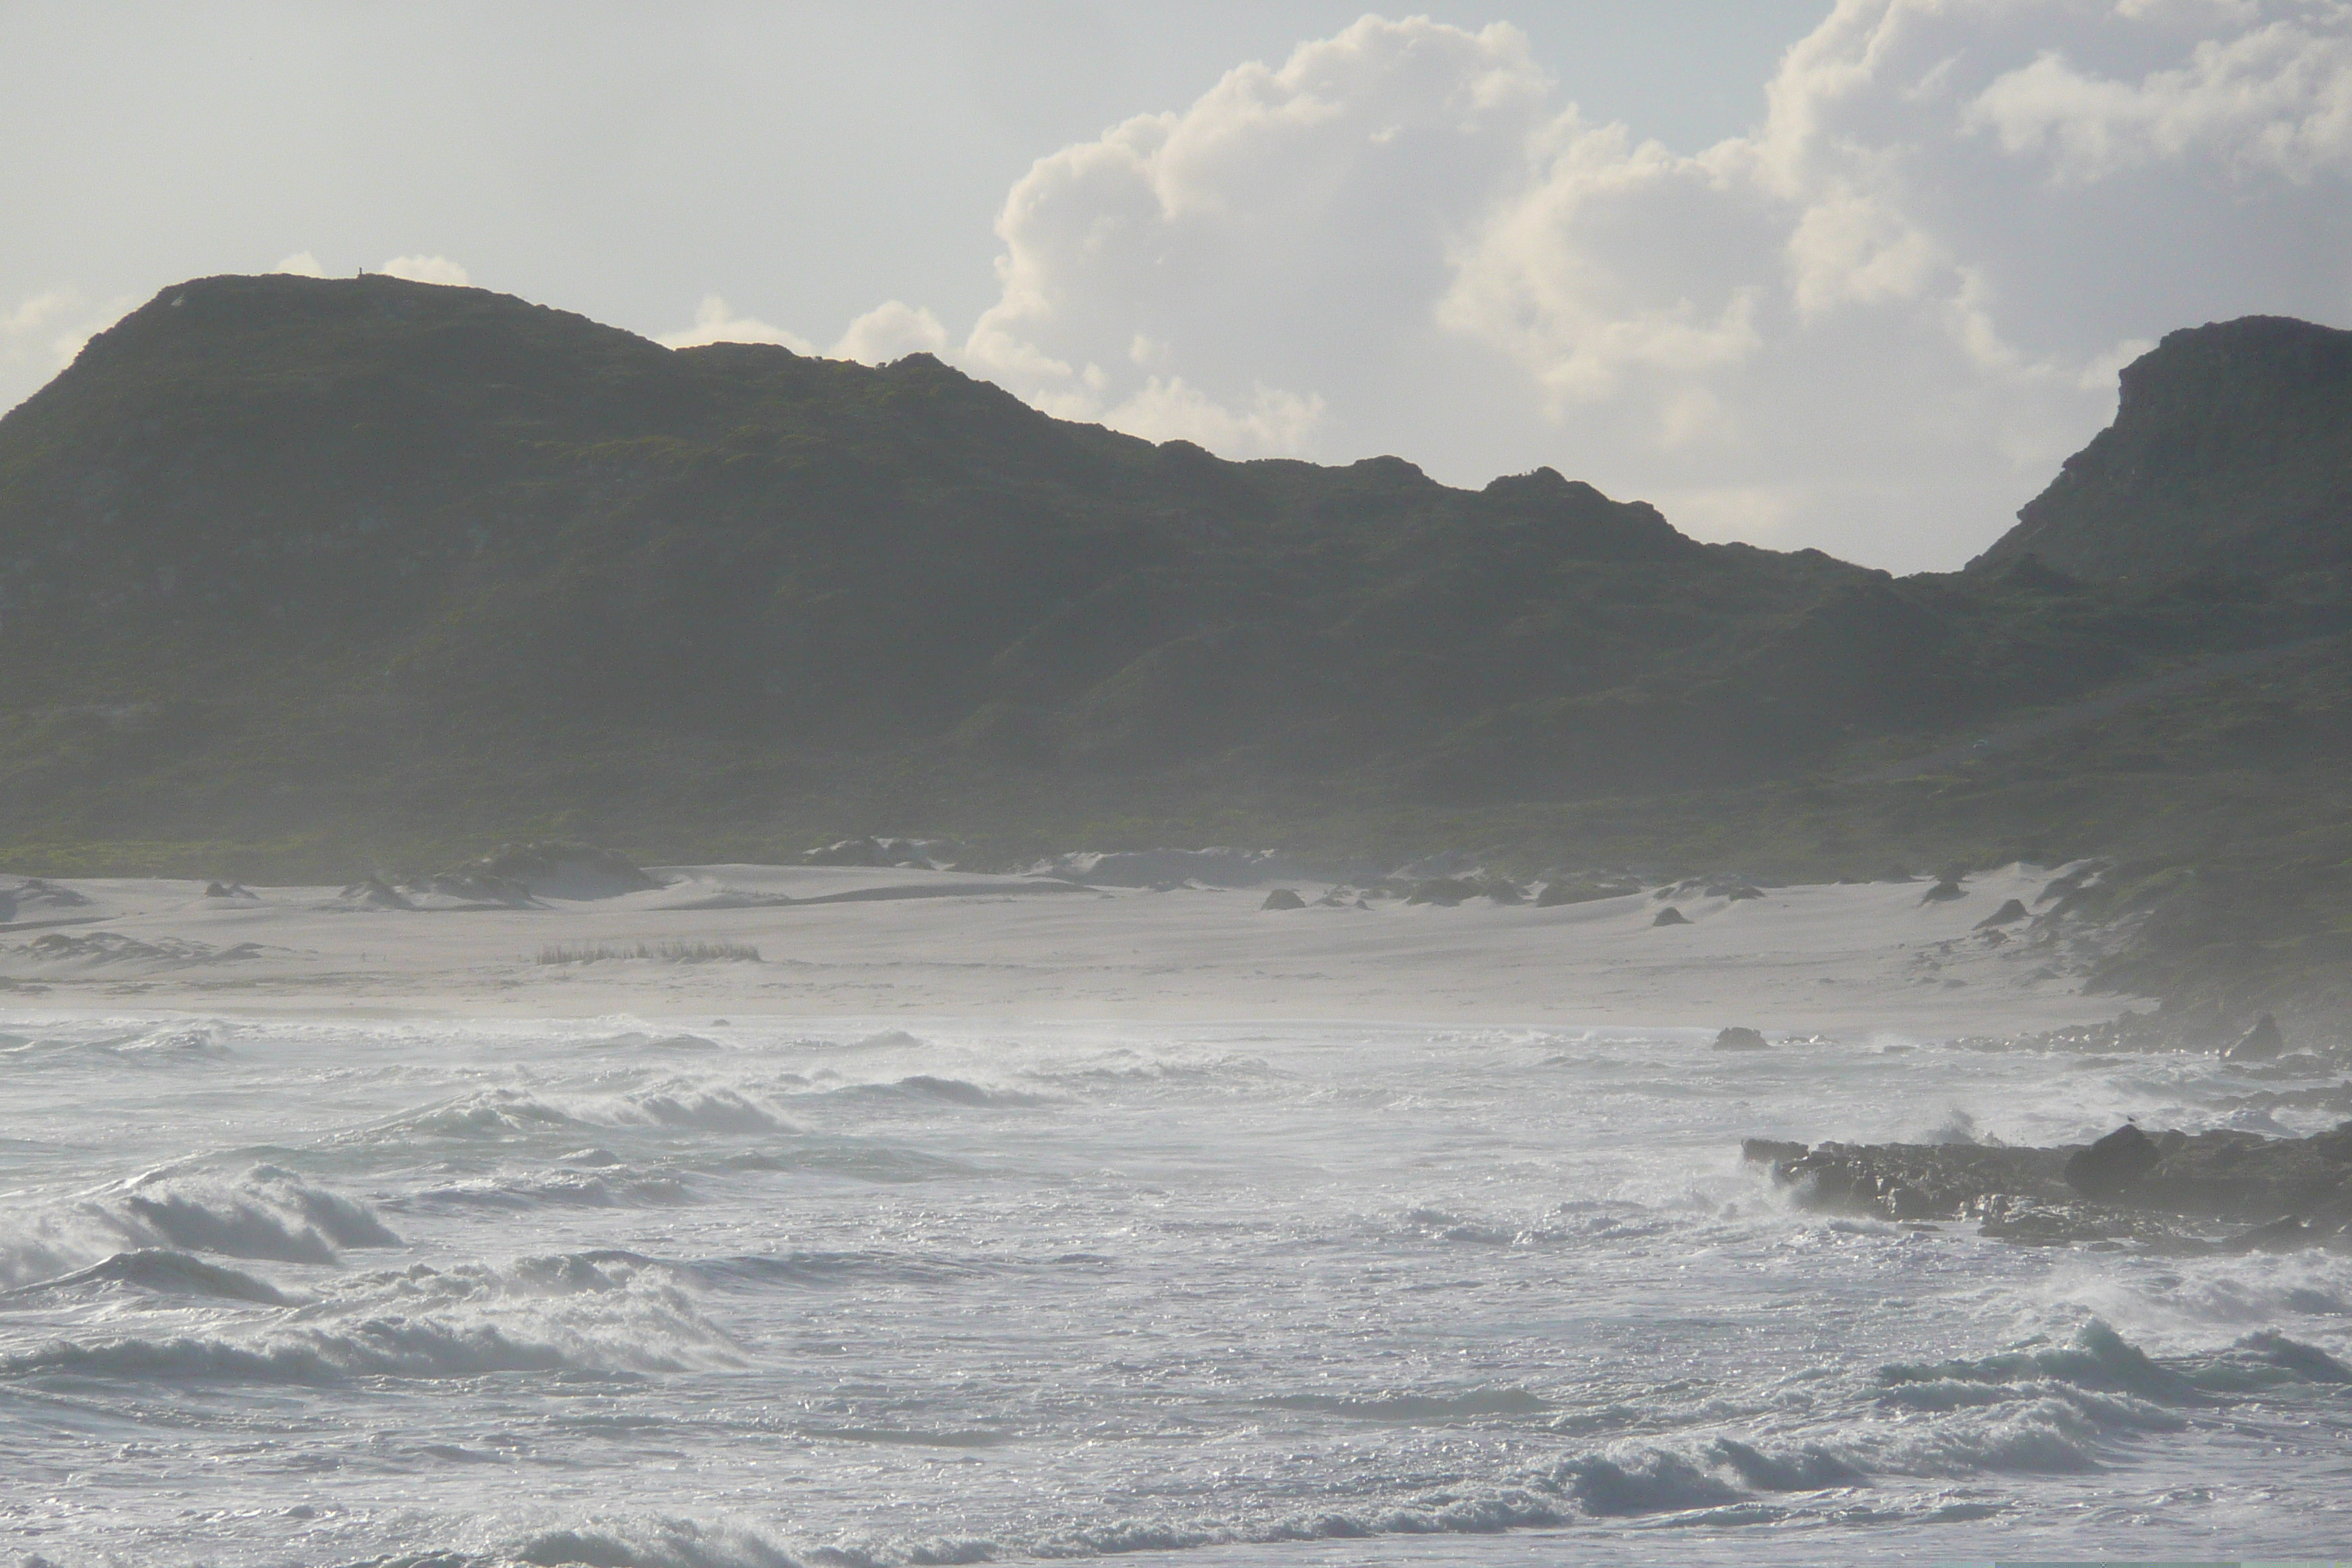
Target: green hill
[298, 575]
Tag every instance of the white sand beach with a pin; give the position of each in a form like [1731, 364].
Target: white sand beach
[856, 941]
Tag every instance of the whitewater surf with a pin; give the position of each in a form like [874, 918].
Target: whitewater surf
[752, 1293]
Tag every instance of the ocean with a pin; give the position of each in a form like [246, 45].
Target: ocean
[711, 1293]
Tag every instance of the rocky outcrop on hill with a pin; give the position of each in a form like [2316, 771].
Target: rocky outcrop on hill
[2231, 448]
[2174, 1189]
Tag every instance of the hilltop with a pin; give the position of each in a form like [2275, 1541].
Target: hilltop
[2230, 450]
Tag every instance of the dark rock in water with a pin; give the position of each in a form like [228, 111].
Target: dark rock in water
[2295, 1192]
[2285, 1234]
[2009, 913]
[2108, 1167]
[1445, 893]
[1741, 1038]
[1670, 916]
[1283, 898]
[2259, 1044]
[1944, 892]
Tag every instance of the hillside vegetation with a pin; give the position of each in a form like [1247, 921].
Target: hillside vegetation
[297, 575]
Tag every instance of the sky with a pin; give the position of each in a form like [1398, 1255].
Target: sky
[1855, 277]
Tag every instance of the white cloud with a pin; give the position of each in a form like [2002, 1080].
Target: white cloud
[891, 330]
[1206, 271]
[32, 314]
[1875, 323]
[715, 321]
[43, 332]
[1270, 421]
[425, 269]
[2279, 95]
[302, 263]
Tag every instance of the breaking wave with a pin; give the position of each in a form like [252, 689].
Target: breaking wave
[166, 1272]
[602, 1189]
[266, 1213]
[598, 1314]
[513, 1112]
[941, 1090]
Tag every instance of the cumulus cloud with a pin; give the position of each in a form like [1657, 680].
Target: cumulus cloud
[716, 322]
[1875, 322]
[42, 332]
[892, 329]
[302, 263]
[2278, 96]
[425, 269]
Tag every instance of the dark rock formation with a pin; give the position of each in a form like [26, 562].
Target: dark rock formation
[2166, 1190]
[1670, 916]
[1944, 892]
[1741, 1038]
[2231, 448]
[478, 887]
[1444, 892]
[2259, 1044]
[1283, 898]
[2111, 1165]
[375, 893]
[2007, 914]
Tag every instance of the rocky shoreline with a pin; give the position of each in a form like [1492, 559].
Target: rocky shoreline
[2220, 1191]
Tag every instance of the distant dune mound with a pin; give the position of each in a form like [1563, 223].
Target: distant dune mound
[548, 869]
